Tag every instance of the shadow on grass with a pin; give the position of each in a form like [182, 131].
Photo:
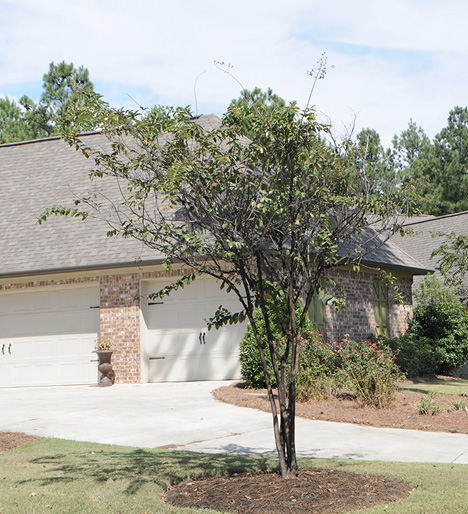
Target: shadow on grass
[137, 467]
[439, 385]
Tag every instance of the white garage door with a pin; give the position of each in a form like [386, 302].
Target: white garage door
[180, 347]
[47, 338]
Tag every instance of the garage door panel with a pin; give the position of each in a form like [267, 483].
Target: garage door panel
[174, 342]
[191, 368]
[176, 327]
[48, 337]
[174, 315]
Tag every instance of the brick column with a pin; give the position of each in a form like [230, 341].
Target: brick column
[120, 322]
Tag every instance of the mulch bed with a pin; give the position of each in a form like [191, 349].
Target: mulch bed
[319, 491]
[402, 413]
[12, 440]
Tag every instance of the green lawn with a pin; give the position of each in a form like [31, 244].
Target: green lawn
[438, 386]
[68, 477]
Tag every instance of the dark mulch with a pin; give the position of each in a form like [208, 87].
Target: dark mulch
[319, 491]
[11, 440]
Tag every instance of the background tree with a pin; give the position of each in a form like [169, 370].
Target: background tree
[16, 123]
[60, 85]
[410, 149]
[374, 161]
[26, 119]
[439, 168]
[256, 99]
[453, 260]
[267, 215]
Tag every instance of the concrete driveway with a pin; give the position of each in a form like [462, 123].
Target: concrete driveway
[185, 416]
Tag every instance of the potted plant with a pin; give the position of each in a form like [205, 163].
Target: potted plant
[104, 351]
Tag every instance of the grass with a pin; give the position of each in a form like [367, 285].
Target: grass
[64, 477]
[438, 386]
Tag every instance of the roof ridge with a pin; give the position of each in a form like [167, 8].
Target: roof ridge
[45, 139]
[432, 218]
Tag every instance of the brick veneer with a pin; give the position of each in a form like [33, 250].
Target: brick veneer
[358, 319]
[120, 322]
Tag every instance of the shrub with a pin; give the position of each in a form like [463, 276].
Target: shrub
[251, 364]
[369, 371]
[316, 378]
[437, 338]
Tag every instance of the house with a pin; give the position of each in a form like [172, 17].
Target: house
[65, 282]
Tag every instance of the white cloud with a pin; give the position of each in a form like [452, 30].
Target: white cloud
[393, 60]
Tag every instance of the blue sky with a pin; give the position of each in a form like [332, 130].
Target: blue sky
[392, 59]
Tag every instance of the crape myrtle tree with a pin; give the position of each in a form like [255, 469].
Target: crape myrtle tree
[266, 215]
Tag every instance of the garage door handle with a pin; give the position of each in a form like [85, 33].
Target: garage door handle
[204, 341]
[156, 358]
[94, 360]
[3, 349]
[9, 348]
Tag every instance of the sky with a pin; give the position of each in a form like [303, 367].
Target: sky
[388, 61]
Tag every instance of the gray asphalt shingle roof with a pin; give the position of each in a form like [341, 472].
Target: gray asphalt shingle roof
[422, 241]
[36, 175]
[39, 174]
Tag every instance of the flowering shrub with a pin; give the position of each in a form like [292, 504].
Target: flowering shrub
[369, 371]
[318, 367]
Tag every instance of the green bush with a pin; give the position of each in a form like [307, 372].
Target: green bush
[251, 364]
[369, 371]
[436, 341]
[316, 378]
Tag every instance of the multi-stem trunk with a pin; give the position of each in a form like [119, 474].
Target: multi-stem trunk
[283, 413]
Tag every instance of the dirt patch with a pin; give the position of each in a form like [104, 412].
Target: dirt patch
[11, 440]
[402, 413]
[313, 490]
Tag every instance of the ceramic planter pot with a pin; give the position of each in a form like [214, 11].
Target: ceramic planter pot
[105, 367]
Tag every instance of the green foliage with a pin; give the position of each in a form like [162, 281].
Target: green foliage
[373, 161]
[459, 404]
[19, 122]
[366, 369]
[428, 406]
[26, 119]
[431, 291]
[317, 376]
[437, 338]
[439, 168]
[61, 84]
[369, 370]
[251, 364]
[453, 258]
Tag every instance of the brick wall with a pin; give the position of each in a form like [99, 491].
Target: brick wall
[357, 318]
